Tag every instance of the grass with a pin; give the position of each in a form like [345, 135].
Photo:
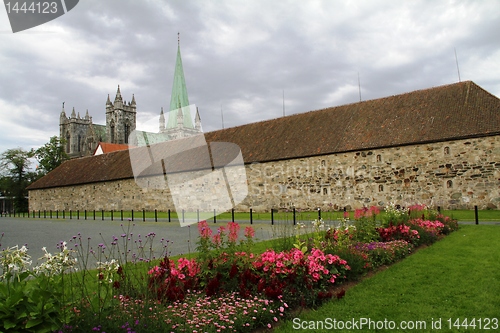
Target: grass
[456, 278]
[279, 215]
[469, 215]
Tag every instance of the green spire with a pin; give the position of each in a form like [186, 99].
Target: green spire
[179, 98]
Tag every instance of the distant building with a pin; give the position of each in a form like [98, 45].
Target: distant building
[82, 136]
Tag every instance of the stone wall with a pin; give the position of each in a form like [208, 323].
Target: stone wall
[454, 174]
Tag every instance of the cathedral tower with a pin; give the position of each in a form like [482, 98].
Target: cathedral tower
[74, 131]
[120, 118]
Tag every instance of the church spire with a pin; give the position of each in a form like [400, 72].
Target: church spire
[118, 95]
[179, 97]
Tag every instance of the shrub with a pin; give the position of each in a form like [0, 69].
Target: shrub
[384, 253]
[365, 222]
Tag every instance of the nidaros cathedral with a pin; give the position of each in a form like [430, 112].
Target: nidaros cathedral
[82, 136]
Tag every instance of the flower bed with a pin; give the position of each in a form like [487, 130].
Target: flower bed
[226, 287]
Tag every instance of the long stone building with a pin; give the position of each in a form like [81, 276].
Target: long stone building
[438, 146]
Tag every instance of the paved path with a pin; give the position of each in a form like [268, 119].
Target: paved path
[37, 233]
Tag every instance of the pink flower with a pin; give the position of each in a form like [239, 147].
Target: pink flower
[249, 232]
[204, 230]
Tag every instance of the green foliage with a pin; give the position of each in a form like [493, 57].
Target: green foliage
[16, 176]
[393, 215]
[51, 155]
[365, 222]
[30, 303]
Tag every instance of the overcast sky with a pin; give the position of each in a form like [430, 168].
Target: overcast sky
[239, 56]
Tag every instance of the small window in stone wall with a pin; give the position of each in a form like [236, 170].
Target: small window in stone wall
[381, 188]
[325, 191]
[447, 150]
[449, 184]
[379, 158]
[323, 163]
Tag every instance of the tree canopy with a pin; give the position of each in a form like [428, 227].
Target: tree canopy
[16, 173]
[51, 155]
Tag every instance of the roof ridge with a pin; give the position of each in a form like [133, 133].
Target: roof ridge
[350, 104]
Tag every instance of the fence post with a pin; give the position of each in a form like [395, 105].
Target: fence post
[64, 214]
[319, 213]
[85, 214]
[77, 214]
[143, 215]
[251, 217]
[70, 214]
[198, 215]
[156, 215]
[44, 214]
[132, 215]
[102, 214]
[50, 214]
[215, 217]
[476, 214]
[121, 214]
[94, 214]
[439, 209]
[272, 216]
[169, 218]
[294, 217]
[183, 216]
[57, 214]
[232, 214]
[112, 218]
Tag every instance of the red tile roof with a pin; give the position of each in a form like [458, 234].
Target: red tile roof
[455, 111]
[110, 147]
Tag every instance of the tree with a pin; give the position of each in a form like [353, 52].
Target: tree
[51, 155]
[16, 176]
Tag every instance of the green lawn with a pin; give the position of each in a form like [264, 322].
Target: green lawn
[279, 215]
[469, 215]
[456, 278]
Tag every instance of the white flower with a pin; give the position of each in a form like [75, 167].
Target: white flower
[58, 263]
[14, 261]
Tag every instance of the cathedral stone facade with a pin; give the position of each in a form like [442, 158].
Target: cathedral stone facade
[82, 136]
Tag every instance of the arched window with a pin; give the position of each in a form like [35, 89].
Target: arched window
[112, 133]
[325, 191]
[381, 188]
[127, 132]
[68, 143]
[379, 158]
[447, 150]
[79, 143]
[449, 184]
